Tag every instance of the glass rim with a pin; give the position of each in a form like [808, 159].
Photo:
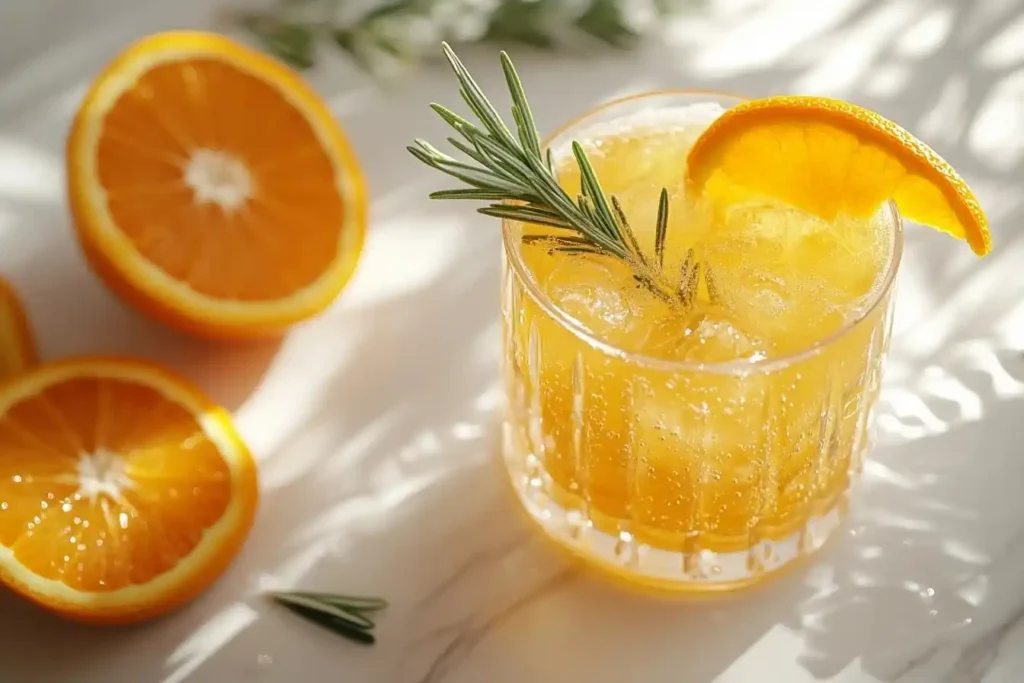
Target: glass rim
[732, 367]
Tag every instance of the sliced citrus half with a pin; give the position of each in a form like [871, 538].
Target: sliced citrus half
[829, 157]
[212, 188]
[17, 344]
[124, 492]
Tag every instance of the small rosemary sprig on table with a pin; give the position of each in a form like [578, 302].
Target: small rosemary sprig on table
[519, 178]
[347, 615]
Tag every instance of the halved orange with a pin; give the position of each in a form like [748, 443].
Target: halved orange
[828, 157]
[212, 188]
[124, 492]
[17, 344]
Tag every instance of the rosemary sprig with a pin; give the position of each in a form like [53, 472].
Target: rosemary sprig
[347, 615]
[512, 171]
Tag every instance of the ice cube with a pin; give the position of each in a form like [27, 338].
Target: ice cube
[716, 339]
[842, 259]
[789, 310]
[791, 277]
[772, 221]
[697, 413]
[858, 251]
[707, 335]
[603, 295]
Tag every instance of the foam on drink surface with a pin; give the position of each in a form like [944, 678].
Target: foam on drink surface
[784, 279]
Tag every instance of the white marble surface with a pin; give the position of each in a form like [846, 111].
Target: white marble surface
[375, 424]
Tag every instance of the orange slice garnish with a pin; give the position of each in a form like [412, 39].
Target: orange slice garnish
[124, 491]
[829, 157]
[212, 189]
[17, 344]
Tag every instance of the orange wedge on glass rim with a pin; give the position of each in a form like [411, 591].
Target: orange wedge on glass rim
[17, 344]
[212, 188]
[830, 157]
[124, 492]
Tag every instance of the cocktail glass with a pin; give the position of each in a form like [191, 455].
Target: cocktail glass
[682, 473]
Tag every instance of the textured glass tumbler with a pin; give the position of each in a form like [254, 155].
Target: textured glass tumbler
[683, 476]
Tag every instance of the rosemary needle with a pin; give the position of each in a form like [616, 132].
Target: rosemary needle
[661, 229]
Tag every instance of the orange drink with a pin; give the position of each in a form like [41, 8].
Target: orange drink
[701, 442]
[697, 298]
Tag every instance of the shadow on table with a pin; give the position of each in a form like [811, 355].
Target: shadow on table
[931, 559]
[409, 408]
[401, 444]
[923, 563]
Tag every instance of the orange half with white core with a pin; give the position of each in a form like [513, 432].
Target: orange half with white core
[212, 189]
[124, 491]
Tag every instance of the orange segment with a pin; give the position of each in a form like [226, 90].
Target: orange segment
[829, 157]
[212, 188]
[17, 345]
[124, 492]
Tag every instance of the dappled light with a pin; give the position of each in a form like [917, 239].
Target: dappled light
[208, 639]
[997, 134]
[376, 425]
[28, 174]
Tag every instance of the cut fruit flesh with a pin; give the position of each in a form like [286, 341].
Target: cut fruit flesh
[829, 158]
[212, 189]
[17, 344]
[124, 492]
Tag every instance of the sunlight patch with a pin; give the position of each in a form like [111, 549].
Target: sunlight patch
[405, 256]
[997, 134]
[1005, 49]
[852, 53]
[887, 80]
[763, 37]
[208, 639]
[28, 174]
[925, 35]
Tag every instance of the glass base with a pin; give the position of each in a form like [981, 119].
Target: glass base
[640, 565]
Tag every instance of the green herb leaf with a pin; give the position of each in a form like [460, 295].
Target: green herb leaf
[627, 231]
[661, 229]
[377, 35]
[524, 21]
[528, 135]
[604, 20]
[346, 615]
[293, 44]
[470, 193]
[352, 603]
